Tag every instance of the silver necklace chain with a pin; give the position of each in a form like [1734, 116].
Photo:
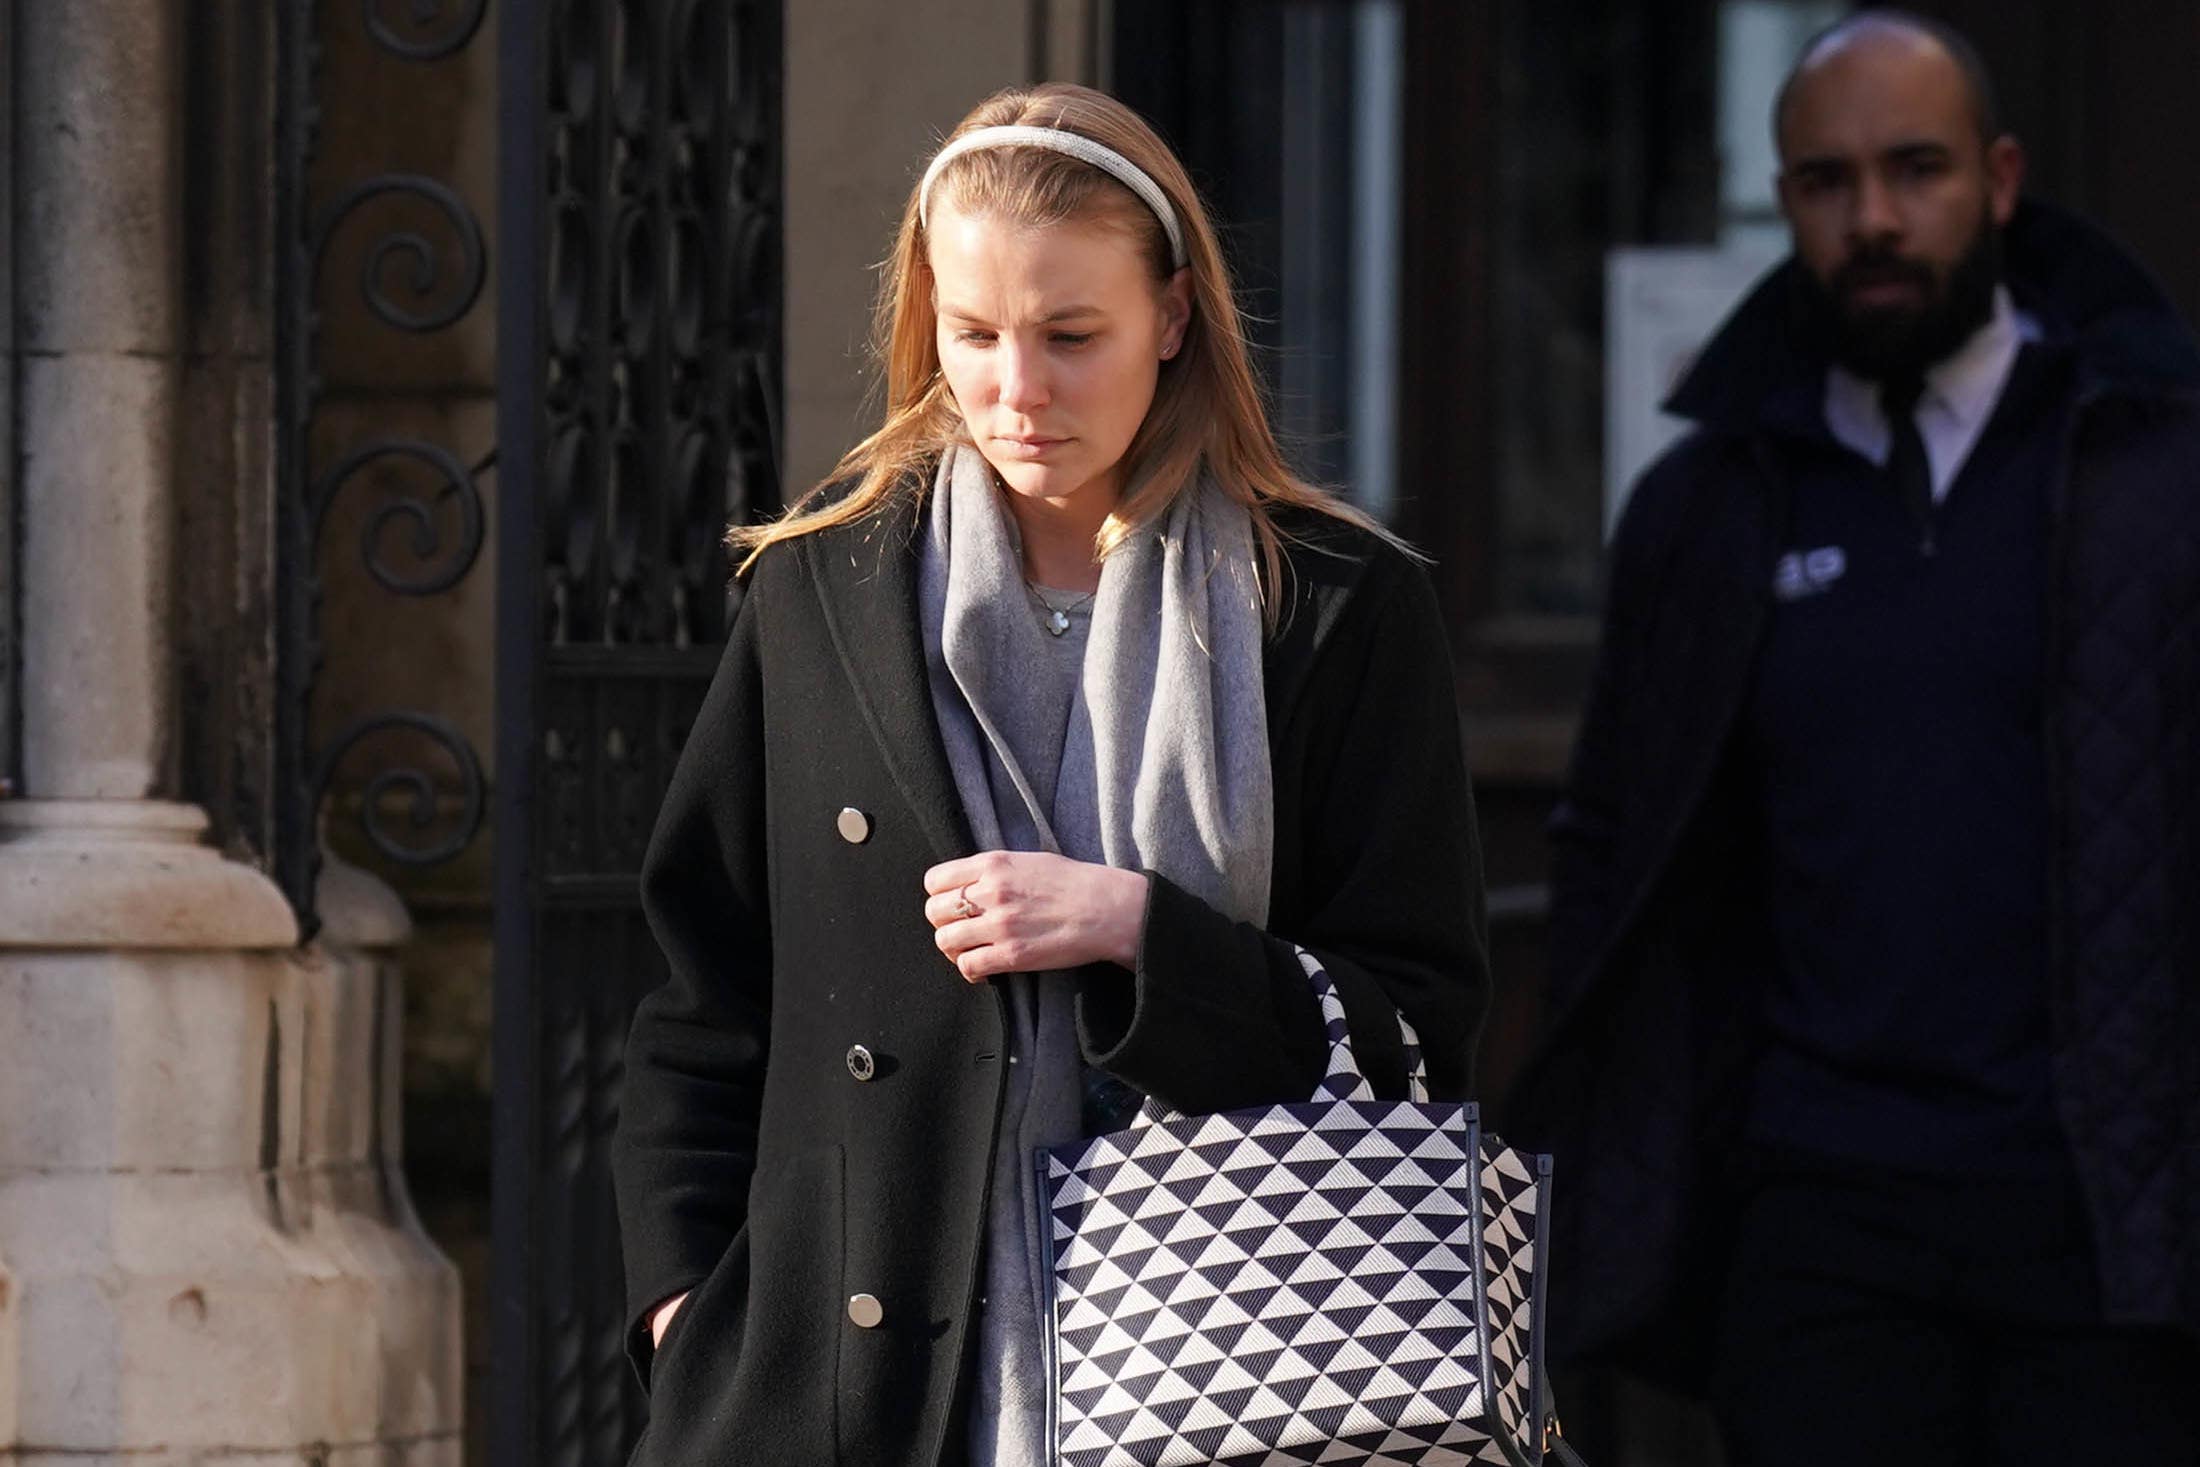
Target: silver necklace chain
[1056, 614]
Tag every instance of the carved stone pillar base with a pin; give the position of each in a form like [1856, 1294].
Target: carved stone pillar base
[206, 1251]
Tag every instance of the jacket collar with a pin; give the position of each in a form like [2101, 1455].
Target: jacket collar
[2087, 293]
[865, 575]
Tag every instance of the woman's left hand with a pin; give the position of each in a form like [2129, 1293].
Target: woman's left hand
[1030, 912]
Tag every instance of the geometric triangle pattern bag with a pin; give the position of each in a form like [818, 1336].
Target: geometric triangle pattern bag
[1344, 1281]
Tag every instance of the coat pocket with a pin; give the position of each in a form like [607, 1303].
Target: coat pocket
[748, 1369]
[706, 1300]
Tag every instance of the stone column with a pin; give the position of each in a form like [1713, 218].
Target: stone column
[206, 1256]
[98, 306]
[410, 1392]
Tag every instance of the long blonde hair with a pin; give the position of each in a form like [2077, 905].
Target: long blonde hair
[1207, 407]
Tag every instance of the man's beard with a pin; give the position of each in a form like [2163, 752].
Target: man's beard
[1887, 343]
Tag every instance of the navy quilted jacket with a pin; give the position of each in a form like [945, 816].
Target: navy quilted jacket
[1656, 919]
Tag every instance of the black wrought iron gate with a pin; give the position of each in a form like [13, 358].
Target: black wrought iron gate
[638, 408]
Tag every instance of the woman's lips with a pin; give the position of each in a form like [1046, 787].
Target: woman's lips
[1033, 447]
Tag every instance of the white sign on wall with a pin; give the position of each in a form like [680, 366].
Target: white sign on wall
[1661, 305]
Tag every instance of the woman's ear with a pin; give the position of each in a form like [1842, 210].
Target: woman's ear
[1176, 312]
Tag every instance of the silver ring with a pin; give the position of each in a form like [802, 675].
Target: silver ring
[963, 908]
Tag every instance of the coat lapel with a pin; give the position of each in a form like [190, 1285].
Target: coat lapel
[865, 575]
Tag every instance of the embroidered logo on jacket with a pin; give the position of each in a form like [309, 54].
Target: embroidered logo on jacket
[1802, 573]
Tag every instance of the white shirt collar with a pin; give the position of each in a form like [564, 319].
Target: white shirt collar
[1960, 393]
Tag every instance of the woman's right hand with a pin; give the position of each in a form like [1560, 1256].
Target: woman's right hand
[1005, 912]
[660, 1319]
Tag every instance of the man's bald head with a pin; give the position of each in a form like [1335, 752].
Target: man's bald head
[1889, 29]
[1895, 180]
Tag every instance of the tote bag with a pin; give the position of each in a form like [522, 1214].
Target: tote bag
[1344, 1281]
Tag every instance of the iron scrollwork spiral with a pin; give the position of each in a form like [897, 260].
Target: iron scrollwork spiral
[457, 28]
[419, 782]
[412, 246]
[422, 268]
[458, 492]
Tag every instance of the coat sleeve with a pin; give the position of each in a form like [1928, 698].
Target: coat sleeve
[1584, 827]
[1218, 1013]
[686, 1142]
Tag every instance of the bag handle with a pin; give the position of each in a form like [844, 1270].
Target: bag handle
[1555, 1446]
[1343, 1080]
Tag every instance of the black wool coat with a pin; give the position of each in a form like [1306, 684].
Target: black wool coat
[765, 1165]
[1660, 929]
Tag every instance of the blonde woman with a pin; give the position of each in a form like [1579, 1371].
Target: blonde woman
[1047, 726]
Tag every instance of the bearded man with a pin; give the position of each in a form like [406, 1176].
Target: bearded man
[1872, 1060]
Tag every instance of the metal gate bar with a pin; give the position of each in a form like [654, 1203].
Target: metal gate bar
[638, 402]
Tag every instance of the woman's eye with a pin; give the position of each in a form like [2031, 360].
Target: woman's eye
[974, 338]
[1072, 338]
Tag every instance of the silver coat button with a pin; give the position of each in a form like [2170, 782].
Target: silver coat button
[864, 1311]
[860, 1063]
[855, 826]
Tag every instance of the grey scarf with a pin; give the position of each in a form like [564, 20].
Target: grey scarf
[1156, 760]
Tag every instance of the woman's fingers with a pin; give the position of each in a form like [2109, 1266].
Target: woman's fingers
[958, 891]
[660, 1319]
[951, 875]
[962, 927]
[990, 960]
[948, 906]
[960, 936]
[976, 952]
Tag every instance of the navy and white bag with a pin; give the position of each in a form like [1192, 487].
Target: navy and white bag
[1345, 1281]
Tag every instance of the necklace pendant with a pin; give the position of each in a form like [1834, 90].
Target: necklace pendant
[1057, 622]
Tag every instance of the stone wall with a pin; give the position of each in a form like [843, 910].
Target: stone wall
[206, 1252]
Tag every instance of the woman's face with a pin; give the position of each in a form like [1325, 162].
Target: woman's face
[1052, 340]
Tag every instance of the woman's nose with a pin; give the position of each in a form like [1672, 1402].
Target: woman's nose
[1023, 378]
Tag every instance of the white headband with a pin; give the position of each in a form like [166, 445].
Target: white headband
[1077, 146]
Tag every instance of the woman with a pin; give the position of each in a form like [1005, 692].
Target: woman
[1046, 729]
